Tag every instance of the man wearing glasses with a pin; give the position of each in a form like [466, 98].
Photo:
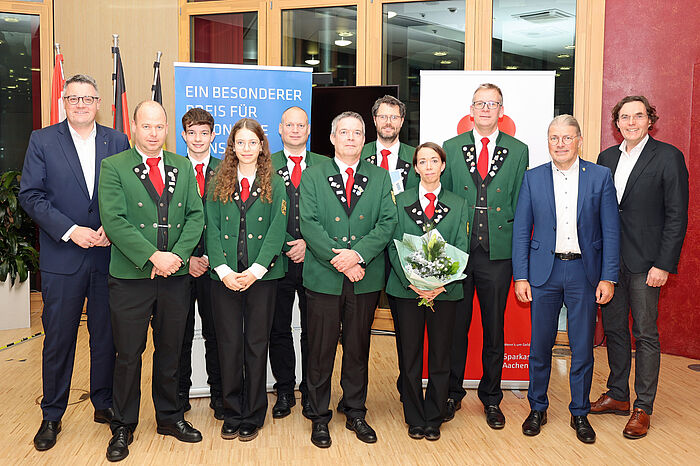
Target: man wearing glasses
[651, 180]
[486, 167]
[566, 239]
[387, 152]
[59, 191]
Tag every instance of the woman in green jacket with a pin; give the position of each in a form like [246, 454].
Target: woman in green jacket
[245, 229]
[419, 209]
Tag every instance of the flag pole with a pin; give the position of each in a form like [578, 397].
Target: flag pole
[115, 39]
[58, 52]
[156, 72]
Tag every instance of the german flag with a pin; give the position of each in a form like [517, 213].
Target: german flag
[120, 109]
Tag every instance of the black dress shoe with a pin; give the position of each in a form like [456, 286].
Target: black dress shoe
[451, 406]
[432, 433]
[283, 406]
[45, 437]
[320, 435]
[217, 404]
[416, 432]
[184, 398]
[362, 430]
[534, 422]
[104, 416]
[181, 430]
[584, 431]
[306, 408]
[118, 447]
[229, 431]
[494, 417]
[247, 432]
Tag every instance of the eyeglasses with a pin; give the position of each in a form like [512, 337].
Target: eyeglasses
[490, 104]
[566, 140]
[388, 117]
[635, 117]
[253, 144]
[300, 126]
[87, 99]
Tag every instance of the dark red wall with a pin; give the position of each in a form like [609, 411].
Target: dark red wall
[651, 48]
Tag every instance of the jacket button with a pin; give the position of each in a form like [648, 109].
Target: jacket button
[250, 236]
[259, 219]
[89, 211]
[142, 225]
[140, 204]
[179, 204]
[498, 209]
[337, 219]
[224, 254]
[259, 236]
[162, 205]
[554, 228]
[225, 236]
[352, 237]
[466, 188]
[345, 238]
[500, 227]
[178, 226]
[227, 218]
[335, 238]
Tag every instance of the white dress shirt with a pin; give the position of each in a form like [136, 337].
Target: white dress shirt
[424, 200]
[86, 155]
[195, 163]
[491, 146]
[566, 202]
[256, 269]
[290, 162]
[626, 164]
[161, 165]
[392, 158]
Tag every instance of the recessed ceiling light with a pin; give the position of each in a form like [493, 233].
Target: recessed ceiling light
[440, 53]
[11, 19]
[570, 47]
[511, 67]
[565, 68]
[445, 62]
[563, 55]
[390, 14]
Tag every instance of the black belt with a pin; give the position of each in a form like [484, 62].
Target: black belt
[567, 256]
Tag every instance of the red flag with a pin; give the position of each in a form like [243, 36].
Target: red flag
[120, 109]
[58, 111]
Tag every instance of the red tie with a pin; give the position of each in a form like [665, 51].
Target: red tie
[154, 174]
[199, 168]
[430, 208]
[245, 189]
[483, 163]
[385, 158]
[296, 171]
[349, 184]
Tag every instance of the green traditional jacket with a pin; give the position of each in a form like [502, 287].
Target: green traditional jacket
[327, 222]
[404, 163]
[450, 219]
[138, 222]
[265, 225]
[509, 162]
[279, 165]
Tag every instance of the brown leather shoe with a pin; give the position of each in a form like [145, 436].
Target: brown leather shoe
[638, 425]
[605, 405]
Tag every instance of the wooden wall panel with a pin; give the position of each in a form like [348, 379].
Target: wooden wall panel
[84, 31]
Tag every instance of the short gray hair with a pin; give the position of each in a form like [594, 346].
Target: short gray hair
[82, 79]
[487, 86]
[347, 114]
[565, 120]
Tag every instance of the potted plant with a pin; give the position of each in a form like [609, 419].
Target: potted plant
[17, 255]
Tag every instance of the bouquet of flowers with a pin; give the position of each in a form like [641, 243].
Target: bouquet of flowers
[429, 262]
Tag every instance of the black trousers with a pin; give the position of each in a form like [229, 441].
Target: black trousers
[428, 410]
[491, 279]
[243, 321]
[633, 295]
[134, 304]
[282, 357]
[326, 313]
[200, 292]
[395, 319]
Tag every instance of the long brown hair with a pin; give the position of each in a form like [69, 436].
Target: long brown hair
[226, 178]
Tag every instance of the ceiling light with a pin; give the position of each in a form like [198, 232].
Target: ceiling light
[570, 47]
[565, 68]
[563, 55]
[511, 67]
[312, 61]
[345, 34]
[342, 42]
[11, 19]
[440, 53]
[445, 62]
[390, 14]
[557, 75]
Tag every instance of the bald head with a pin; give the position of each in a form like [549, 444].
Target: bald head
[294, 130]
[149, 128]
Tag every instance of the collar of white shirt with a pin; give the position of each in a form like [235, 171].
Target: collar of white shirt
[197, 162]
[492, 137]
[394, 149]
[636, 150]
[343, 167]
[288, 153]
[74, 134]
[422, 192]
[571, 170]
[250, 179]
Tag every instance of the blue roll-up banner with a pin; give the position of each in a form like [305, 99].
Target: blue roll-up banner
[232, 92]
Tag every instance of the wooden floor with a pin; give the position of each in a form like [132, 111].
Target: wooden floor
[674, 437]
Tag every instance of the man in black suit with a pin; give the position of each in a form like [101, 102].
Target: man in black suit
[651, 180]
[198, 133]
[58, 190]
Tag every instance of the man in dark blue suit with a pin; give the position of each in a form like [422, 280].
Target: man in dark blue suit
[58, 190]
[566, 236]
